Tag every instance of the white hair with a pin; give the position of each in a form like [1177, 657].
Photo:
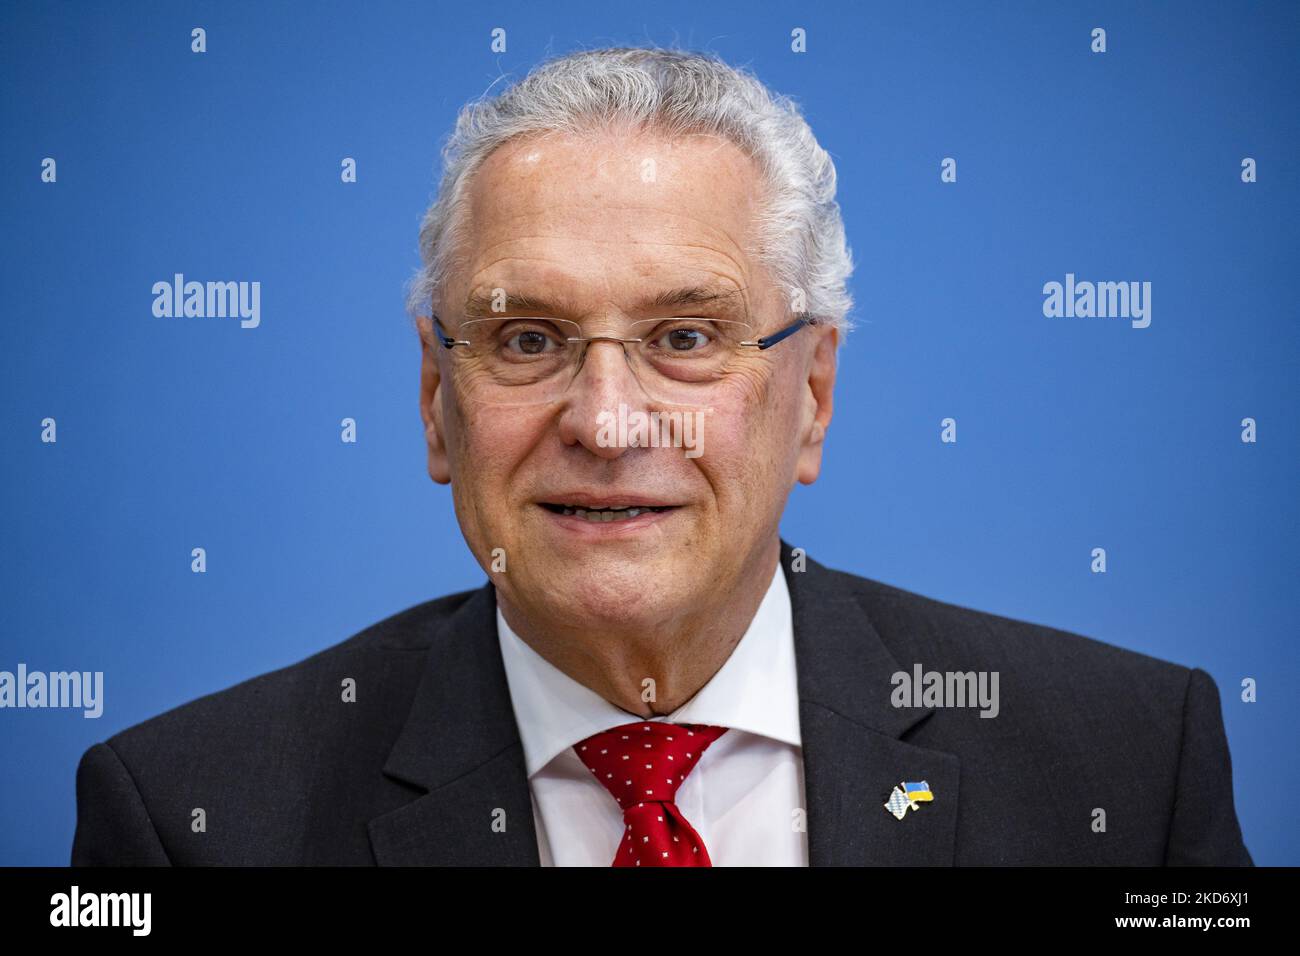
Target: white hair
[675, 93]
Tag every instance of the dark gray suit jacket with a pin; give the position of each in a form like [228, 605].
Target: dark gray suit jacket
[418, 767]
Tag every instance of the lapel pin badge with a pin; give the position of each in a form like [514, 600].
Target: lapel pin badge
[908, 794]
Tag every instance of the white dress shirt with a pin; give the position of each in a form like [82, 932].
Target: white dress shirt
[745, 796]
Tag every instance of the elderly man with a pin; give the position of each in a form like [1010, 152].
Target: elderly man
[632, 293]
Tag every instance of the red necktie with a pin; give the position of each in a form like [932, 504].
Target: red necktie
[642, 765]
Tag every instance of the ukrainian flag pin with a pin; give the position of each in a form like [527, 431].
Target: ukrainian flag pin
[917, 792]
[908, 794]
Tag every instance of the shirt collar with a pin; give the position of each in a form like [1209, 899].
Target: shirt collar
[755, 690]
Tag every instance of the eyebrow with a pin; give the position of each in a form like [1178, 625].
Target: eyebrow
[480, 303]
[697, 295]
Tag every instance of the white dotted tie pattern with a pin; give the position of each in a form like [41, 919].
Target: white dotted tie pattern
[642, 765]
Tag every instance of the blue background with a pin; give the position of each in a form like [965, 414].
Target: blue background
[1073, 433]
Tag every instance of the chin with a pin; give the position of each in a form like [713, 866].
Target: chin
[619, 610]
[615, 594]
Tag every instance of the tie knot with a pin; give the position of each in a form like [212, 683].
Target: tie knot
[646, 761]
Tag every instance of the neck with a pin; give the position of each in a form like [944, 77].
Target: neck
[650, 668]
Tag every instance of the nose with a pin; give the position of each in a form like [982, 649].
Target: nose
[591, 411]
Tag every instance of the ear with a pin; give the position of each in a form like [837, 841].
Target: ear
[431, 401]
[820, 402]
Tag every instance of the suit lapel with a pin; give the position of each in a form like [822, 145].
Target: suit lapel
[461, 745]
[853, 753]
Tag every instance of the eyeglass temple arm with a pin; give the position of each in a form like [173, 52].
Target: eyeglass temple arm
[446, 340]
[767, 341]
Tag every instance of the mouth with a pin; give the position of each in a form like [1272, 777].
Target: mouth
[604, 513]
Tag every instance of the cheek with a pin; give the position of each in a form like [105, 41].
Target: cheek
[486, 437]
[486, 447]
[748, 439]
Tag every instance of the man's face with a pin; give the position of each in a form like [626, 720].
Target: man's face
[600, 226]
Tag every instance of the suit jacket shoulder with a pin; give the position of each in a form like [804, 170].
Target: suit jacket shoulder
[229, 777]
[1085, 735]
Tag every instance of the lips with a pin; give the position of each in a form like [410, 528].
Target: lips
[603, 512]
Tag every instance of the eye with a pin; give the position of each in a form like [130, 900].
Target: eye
[686, 338]
[529, 340]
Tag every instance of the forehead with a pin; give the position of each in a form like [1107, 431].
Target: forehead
[591, 218]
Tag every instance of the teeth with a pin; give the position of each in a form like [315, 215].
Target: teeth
[605, 513]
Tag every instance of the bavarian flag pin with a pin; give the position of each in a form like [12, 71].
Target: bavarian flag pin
[908, 794]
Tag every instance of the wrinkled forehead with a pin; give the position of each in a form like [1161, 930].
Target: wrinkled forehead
[598, 218]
